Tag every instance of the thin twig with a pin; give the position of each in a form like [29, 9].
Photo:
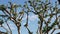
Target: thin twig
[9, 28]
[53, 31]
[5, 28]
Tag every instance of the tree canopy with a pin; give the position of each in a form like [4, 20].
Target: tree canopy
[48, 16]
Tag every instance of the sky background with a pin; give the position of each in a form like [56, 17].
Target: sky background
[32, 19]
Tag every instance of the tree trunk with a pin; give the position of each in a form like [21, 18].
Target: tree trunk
[41, 28]
[18, 30]
[47, 27]
[41, 23]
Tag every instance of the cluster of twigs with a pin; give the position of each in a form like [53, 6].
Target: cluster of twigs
[42, 9]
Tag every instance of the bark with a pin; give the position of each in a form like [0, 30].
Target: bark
[41, 28]
[41, 19]
[53, 31]
[18, 30]
[47, 27]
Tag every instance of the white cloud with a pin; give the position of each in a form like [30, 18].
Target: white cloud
[31, 17]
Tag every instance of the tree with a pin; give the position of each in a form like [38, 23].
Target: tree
[12, 15]
[44, 10]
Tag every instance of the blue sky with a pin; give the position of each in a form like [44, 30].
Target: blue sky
[32, 19]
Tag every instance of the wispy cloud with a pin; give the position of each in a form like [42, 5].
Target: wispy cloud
[31, 17]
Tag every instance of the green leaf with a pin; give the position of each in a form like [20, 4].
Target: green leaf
[29, 1]
[1, 22]
[38, 22]
[15, 14]
[19, 19]
[46, 16]
[45, 28]
[3, 15]
[21, 12]
[46, 0]
[2, 7]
